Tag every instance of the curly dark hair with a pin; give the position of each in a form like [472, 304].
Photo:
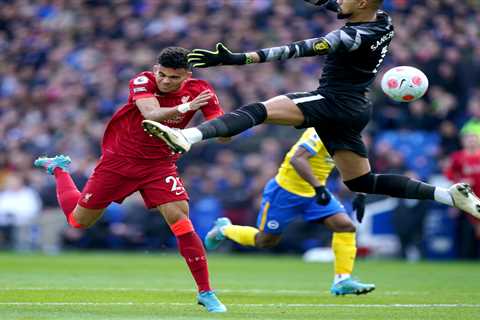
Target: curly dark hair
[174, 57]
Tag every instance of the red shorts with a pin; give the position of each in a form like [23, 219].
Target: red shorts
[115, 178]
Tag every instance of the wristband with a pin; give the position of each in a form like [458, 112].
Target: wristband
[184, 107]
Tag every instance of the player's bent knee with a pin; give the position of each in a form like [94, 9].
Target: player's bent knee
[265, 241]
[346, 227]
[174, 211]
[340, 222]
[85, 218]
[364, 184]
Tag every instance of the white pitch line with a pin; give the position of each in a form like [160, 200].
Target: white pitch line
[255, 305]
[246, 291]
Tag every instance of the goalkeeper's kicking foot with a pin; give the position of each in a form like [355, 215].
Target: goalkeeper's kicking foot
[464, 199]
[215, 236]
[171, 136]
[209, 300]
[351, 286]
[50, 164]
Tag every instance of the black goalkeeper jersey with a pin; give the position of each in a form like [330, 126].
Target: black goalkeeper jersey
[356, 52]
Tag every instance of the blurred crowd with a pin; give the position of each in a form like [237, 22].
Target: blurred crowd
[65, 67]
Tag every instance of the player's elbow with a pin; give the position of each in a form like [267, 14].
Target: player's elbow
[294, 161]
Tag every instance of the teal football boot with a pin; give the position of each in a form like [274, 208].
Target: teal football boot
[209, 300]
[215, 236]
[351, 286]
[50, 164]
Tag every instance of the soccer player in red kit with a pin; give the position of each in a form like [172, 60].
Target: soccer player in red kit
[464, 165]
[134, 161]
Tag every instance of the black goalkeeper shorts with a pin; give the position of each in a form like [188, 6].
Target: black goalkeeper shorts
[338, 120]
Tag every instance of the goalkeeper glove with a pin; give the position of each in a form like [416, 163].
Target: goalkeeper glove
[200, 58]
[323, 197]
[358, 205]
[331, 5]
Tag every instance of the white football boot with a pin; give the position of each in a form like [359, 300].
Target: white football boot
[173, 137]
[464, 199]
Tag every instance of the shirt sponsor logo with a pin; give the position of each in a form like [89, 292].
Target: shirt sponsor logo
[139, 89]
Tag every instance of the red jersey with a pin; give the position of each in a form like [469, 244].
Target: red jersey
[465, 167]
[124, 135]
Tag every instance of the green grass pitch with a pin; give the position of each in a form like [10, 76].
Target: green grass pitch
[158, 286]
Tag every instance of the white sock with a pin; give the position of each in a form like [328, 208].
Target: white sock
[443, 196]
[340, 277]
[193, 135]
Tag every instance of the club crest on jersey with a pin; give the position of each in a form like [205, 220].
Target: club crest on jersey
[87, 197]
[185, 99]
[321, 46]
[140, 80]
[273, 224]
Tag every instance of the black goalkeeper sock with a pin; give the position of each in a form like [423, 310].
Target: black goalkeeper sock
[234, 122]
[393, 185]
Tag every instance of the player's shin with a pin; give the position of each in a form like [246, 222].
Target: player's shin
[234, 122]
[67, 195]
[243, 235]
[191, 248]
[393, 185]
[345, 250]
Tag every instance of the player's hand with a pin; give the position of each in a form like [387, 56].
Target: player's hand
[197, 103]
[358, 205]
[322, 196]
[200, 58]
[200, 100]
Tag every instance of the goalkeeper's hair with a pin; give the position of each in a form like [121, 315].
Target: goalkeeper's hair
[174, 57]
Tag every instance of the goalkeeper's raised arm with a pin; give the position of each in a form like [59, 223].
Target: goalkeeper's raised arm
[200, 58]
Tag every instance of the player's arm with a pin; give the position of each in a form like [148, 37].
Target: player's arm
[200, 58]
[300, 163]
[151, 110]
[345, 39]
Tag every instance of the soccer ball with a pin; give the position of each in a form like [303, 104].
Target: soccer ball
[404, 84]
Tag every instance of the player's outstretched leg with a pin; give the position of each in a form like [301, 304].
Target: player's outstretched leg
[67, 192]
[357, 176]
[279, 110]
[228, 125]
[215, 236]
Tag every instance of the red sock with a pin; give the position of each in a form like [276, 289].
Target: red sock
[67, 194]
[191, 248]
